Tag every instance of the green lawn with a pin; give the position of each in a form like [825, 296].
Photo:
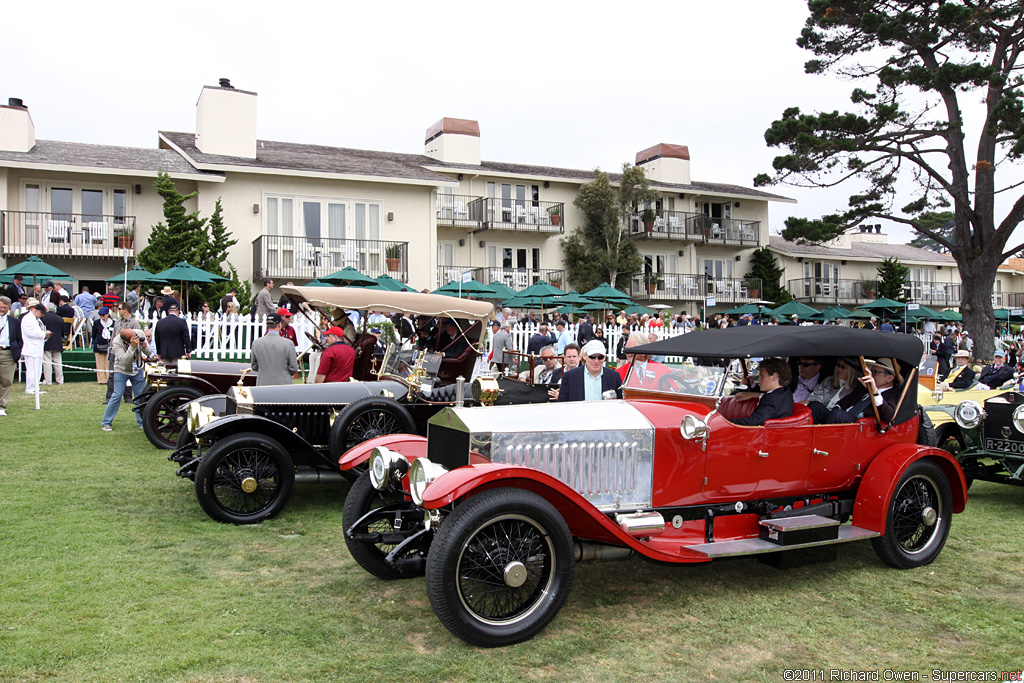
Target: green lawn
[109, 571]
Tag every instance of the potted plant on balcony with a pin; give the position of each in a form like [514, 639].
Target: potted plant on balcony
[867, 288]
[556, 215]
[648, 218]
[753, 288]
[126, 239]
[652, 280]
[555, 281]
[393, 256]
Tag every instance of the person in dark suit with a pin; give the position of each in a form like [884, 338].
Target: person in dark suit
[585, 332]
[879, 387]
[995, 375]
[945, 347]
[15, 289]
[53, 347]
[589, 381]
[776, 400]
[541, 339]
[173, 340]
[10, 351]
[962, 375]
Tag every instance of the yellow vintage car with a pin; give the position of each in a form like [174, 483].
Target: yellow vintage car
[942, 421]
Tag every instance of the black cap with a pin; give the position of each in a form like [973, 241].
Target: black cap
[172, 307]
[273, 319]
[48, 283]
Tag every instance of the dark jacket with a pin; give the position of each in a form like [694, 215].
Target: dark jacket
[964, 380]
[995, 375]
[539, 341]
[770, 406]
[584, 334]
[172, 337]
[14, 329]
[13, 292]
[572, 383]
[55, 324]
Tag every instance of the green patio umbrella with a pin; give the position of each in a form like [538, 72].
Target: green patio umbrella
[572, 302]
[884, 306]
[37, 268]
[390, 283]
[606, 294]
[638, 310]
[923, 313]
[743, 310]
[950, 314]
[350, 277]
[317, 283]
[472, 288]
[185, 272]
[136, 274]
[790, 308]
[861, 314]
[502, 288]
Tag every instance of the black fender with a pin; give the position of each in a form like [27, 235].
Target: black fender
[298, 448]
[219, 403]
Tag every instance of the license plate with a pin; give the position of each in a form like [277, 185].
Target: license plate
[1004, 446]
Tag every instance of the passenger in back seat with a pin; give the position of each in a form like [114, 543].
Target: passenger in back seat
[776, 400]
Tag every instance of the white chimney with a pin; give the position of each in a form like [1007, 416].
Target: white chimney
[226, 121]
[17, 132]
[455, 141]
[666, 163]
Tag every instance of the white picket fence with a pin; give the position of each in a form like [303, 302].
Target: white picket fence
[231, 340]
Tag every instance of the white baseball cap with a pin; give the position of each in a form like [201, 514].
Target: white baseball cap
[594, 347]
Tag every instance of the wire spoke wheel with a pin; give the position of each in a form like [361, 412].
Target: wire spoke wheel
[370, 541]
[505, 569]
[371, 424]
[244, 479]
[918, 519]
[160, 418]
[500, 567]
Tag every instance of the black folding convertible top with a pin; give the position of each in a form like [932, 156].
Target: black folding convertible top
[764, 341]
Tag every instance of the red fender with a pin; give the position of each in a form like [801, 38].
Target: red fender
[884, 473]
[410, 445]
[584, 520]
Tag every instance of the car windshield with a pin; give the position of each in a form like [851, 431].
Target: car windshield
[400, 361]
[694, 377]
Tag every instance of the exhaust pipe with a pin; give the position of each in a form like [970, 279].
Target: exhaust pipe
[597, 552]
[314, 476]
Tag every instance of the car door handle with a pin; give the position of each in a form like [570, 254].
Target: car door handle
[818, 452]
[762, 454]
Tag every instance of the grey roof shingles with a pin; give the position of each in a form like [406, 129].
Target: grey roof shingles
[103, 157]
[867, 250]
[343, 160]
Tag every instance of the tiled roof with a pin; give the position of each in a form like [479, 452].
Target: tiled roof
[570, 174]
[343, 160]
[316, 158]
[864, 250]
[103, 156]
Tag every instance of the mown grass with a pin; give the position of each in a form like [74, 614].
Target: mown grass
[109, 571]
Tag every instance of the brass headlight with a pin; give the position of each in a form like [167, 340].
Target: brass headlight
[968, 414]
[421, 475]
[485, 390]
[199, 416]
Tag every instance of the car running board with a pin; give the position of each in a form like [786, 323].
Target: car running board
[754, 546]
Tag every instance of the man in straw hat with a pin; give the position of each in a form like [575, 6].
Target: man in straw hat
[881, 389]
[962, 375]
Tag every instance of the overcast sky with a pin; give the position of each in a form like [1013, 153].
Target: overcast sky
[577, 85]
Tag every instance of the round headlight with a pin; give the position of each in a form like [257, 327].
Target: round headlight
[693, 427]
[421, 475]
[1018, 419]
[968, 414]
[386, 466]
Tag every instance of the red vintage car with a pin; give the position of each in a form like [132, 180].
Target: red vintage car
[497, 504]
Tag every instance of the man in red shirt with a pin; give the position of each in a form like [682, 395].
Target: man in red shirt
[288, 332]
[337, 361]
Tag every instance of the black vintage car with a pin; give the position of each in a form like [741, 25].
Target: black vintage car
[246, 450]
[987, 440]
[169, 386]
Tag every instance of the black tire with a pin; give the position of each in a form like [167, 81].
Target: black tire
[925, 430]
[364, 419]
[917, 522]
[160, 416]
[362, 498]
[234, 465]
[951, 440]
[513, 536]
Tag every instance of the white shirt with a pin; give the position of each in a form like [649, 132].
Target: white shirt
[5, 329]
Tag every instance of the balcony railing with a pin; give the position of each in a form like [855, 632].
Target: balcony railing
[286, 257]
[522, 215]
[812, 290]
[687, 287]
[1013, 299]
[460, 211]
[697, 227]
[38, 233]
[516, 278]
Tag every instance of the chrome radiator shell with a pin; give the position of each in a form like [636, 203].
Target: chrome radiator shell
[602, 450]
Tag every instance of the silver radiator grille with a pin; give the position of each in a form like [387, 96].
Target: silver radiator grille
[591, 469]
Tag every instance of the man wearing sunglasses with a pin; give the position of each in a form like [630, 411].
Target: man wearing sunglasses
[808, 378]
[589, 381]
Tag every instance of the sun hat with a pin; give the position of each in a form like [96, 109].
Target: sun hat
[962, 353]
[884, 363]
[166, 290]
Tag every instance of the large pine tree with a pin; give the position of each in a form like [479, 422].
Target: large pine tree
[764, 267]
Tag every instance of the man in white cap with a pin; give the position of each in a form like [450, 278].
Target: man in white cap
[997, 374]
[589, 381]
[962, 376]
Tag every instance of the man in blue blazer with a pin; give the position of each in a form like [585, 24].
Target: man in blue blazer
[590, 380]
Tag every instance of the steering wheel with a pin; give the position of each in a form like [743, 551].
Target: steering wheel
[313, 340]
[675, 383]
